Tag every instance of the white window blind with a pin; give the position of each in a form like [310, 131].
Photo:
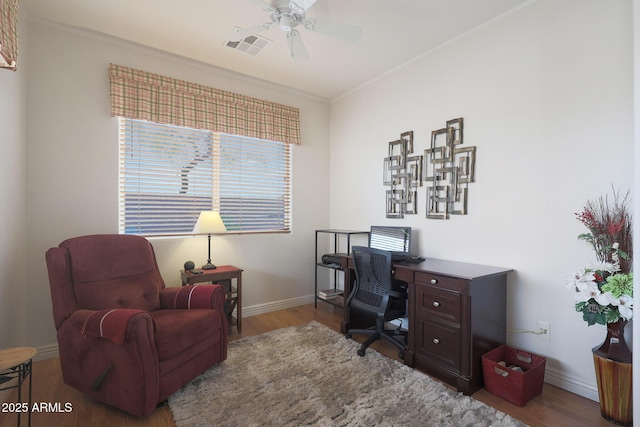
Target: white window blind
[169, 174]
[253, 184]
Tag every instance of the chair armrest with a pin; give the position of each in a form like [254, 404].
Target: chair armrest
[110, 372]
[109, 324]
[80, 323]
[193, 296]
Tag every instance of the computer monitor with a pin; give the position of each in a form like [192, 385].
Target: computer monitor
[397, 240]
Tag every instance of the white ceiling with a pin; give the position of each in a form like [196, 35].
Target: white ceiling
[393, 32]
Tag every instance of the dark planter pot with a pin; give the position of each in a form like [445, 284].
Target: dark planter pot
[612, 361]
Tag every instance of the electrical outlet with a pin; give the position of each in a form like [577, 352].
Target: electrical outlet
[544, 330]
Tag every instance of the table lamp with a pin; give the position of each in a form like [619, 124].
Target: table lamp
[209, 222]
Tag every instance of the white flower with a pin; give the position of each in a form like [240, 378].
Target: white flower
[608, 267]
[581, 276]
[588, 290]
[624, 304]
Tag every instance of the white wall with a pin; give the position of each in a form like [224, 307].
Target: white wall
[546, 95]
[13, 226]
[73, 171]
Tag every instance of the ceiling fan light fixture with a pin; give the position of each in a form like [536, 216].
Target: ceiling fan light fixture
[286, 23]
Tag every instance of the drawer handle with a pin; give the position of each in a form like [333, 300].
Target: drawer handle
[436, 304]
[434, 281]
[436, 341]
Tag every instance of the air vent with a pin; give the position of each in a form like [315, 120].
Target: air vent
[252, 44]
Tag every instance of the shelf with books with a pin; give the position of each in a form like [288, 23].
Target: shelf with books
[342, 243]
[329, 294]
[337, 300]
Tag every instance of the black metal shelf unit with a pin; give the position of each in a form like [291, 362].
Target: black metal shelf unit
[336, 267]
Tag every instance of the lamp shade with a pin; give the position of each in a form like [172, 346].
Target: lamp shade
[209, 222]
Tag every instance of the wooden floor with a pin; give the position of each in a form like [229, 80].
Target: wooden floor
[554, 407]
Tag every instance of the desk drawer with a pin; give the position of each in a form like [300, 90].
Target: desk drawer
[404, 274]
[444, 282]
[439, 303]
[439, 342]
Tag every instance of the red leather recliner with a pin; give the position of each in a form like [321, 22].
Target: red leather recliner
[124, 339]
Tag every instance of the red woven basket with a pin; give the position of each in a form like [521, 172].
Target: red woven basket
[513, 386]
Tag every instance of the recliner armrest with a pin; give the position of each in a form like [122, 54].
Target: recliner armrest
[193, 296]
[133, 383]
[109, 324]
[98, 324]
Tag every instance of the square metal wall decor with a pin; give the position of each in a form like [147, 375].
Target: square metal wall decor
[402, 173]
[446, 167]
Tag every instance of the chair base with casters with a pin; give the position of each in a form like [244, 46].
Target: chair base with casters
[389, 335]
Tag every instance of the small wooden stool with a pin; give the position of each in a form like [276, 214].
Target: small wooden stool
[16, 363]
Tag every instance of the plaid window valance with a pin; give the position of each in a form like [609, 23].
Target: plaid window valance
[9, 34]
[140, 95]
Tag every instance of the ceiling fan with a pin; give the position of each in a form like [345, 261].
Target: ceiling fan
[288, 17]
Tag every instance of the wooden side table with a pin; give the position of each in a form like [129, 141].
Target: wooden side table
[16, 364]
[223, 275]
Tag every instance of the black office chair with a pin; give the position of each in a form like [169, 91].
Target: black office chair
[376, 293]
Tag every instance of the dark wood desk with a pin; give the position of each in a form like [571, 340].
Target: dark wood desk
[457, 312]
[223, 274]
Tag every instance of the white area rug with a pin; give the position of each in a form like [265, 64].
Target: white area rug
[311, 375]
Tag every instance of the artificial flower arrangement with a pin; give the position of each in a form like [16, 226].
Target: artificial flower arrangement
[604, 290]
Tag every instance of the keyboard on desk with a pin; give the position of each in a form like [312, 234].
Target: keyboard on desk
[411, 259]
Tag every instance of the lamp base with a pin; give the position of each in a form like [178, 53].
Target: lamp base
[209, 266]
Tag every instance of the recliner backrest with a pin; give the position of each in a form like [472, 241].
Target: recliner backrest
[99, 272]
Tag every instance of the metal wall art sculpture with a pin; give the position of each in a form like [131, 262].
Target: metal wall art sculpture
[447, 168]
[403, 174]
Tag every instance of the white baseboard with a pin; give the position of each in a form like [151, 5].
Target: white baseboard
[46, 352]
[276, 305]
[552, 376]
[571, 384]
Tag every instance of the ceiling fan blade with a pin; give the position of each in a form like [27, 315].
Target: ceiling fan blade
[236, 36]
[296, 47]
[300, 6]
[263, 5]
[334, 29]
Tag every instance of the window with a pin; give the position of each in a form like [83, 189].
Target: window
[169, 174]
